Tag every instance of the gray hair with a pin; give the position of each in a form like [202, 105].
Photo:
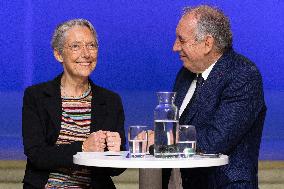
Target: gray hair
[212, 21]
[58, 38]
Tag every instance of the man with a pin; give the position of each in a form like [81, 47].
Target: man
[226, 104]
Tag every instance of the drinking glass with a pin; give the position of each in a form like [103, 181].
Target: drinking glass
[186, 141]
[137, 138]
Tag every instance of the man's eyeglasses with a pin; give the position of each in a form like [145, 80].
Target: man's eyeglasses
[78, 46]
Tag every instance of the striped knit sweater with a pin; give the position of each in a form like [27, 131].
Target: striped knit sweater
[75, 126]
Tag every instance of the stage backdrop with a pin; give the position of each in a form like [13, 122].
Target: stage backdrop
[135, 54]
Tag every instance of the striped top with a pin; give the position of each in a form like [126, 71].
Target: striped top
[75, 126]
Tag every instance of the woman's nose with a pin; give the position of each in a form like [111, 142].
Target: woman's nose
[85, 51]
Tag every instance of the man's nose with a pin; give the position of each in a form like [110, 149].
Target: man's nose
[176, 46]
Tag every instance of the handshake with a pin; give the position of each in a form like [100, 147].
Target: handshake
[99, 140]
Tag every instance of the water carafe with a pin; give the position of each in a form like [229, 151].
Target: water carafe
[166, 124]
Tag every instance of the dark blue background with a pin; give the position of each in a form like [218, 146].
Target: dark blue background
[135, 54]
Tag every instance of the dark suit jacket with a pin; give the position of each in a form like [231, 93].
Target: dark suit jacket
[228, 113]
[42, 110]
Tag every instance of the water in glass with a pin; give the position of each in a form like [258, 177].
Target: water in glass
[137, 148]
[186, 140]
[165, 126]
[137, 138]
[165, 137]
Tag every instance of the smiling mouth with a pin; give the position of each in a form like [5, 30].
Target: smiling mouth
[84, 63]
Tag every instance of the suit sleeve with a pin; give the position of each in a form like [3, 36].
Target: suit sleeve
[241, 104]
[39, 152]
[119, 127]
[121, 131]
[120, 124]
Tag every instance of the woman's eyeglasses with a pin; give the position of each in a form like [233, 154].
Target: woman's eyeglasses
[78, 46]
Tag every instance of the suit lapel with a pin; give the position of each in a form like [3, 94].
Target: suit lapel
[211, 84]
[204, 93]
[208, 88]
[52, 102]
[53, 107]
[215, 77]
[99, 109]
[183, 83]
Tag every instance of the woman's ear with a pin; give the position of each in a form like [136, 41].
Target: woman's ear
[58, 56]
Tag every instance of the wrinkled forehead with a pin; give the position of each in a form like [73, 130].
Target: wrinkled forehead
[187, 25]
[79, 33]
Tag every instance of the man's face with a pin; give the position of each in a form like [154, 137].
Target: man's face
[79, 57]
[191, 52]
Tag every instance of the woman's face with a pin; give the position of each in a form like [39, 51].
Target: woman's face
[79, 55]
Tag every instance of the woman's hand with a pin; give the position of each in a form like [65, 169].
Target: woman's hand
[96, 142]
[113, 141]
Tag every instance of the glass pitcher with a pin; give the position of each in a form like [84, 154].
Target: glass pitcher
[165, 126]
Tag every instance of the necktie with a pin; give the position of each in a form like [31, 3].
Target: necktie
[199, 82]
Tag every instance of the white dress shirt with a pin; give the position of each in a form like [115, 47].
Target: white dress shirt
[192, 87]
[175, 181]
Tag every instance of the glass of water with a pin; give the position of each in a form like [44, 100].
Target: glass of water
[186, 140]
[137, 138]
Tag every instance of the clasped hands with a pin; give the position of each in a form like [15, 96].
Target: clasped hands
[99, 140]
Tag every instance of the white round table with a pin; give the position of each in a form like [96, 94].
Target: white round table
[149, 166]
[119, 160]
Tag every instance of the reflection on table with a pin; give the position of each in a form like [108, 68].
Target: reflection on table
[121, 160]
[150, 174]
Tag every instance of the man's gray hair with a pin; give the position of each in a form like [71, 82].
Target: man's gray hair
[212, 21]
[58, 38]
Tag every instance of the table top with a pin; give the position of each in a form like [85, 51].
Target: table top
[120, 160]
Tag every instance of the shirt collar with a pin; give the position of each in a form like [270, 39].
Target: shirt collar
[206, 73]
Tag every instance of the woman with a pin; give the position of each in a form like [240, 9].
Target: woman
[71, 114]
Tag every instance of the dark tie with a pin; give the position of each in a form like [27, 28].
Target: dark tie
[199, 82]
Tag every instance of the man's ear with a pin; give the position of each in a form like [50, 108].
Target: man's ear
[209, 44]
[58, 56]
